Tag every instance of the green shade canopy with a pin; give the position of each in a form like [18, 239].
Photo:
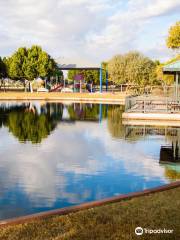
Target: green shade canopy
[172, 68]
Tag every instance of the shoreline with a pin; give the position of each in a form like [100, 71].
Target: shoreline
[116, 98]
[88, 205]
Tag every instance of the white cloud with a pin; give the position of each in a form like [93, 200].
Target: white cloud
[124, 27]
[43, 177]
[92, 30]
[51, 171]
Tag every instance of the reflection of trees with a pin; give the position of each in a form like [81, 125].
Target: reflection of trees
[115, 126]
[117, 129]
[30, 126]
[3, 116]
[27, 124]
[79, 111]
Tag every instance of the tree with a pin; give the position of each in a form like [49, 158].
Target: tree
[173, 39]
[133, 69]
[7, 62]
[162, 78]
[38, 63]
[140, 70]
[30, 63]
[116, 69]
[46, 65]
[3, 72]
[16, 62]
[104, 71]
[165, 79]
[89, 75]
[72, 73]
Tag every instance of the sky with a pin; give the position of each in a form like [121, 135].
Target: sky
[89, 31]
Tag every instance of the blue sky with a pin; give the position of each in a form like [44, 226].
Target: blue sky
[90, 31]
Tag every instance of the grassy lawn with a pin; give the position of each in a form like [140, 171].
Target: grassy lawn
[113, 221]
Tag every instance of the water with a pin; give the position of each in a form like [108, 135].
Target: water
[54, 155]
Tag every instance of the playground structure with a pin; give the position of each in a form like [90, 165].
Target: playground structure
[80, 85]
[55, 84]
[56, 88]
[79, 81]
[62, 66]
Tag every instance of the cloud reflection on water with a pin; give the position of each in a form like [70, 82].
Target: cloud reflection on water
[63, 166]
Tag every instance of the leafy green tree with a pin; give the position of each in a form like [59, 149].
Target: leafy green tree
[173, 39]
[104, 72]
[133, 69]
[30, 63]
[7, 62]
[38, 63]
[3, 71]
[15, 63]
[72, 73]
[139, 70]
[165, 79]
[116, 69]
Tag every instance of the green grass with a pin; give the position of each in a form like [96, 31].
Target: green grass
[112, 221]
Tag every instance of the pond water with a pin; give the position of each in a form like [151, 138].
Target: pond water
[54, 155]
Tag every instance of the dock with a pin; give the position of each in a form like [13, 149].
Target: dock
[148, 108]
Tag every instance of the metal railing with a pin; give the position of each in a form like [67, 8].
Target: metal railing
[149, 104]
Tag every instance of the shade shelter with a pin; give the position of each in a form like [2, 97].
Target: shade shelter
[63, 66]
[174, 69]
[78, 80]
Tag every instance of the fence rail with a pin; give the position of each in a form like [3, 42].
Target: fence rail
[143, 104]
